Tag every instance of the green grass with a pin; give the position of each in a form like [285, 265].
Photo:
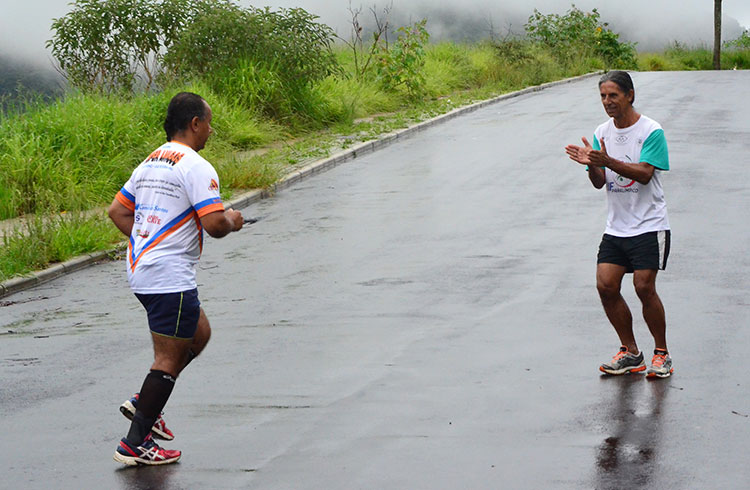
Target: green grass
[679, 57]
[74, 154]
[41, 241]
[736, 59]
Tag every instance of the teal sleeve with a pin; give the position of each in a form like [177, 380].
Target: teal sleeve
[595, 145]
[654, 151]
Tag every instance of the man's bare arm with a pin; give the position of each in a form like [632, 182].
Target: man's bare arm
[581, 155]
[640, 172]
[122, 217]
[220, 223]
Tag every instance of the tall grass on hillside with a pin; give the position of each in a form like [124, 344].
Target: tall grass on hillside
[42, 241]
[262, 90]
[66, 155]
[355, 99]
[503, 66]
[678, 57]
[736, 59]
[75, 154]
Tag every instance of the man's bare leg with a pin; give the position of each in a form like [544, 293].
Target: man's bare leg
[608, 283]
[644, 282]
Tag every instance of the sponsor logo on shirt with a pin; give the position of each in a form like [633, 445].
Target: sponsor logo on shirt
[170, 157]
[142, 233]
[621, 138]
[146, 207]
[138, 218]
[153, 219]
[213, 186]
[621, 184]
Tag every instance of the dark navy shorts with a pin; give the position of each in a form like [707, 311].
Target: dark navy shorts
[172, 314]
[647, 251]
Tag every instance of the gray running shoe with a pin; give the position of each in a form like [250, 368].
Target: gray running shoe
[624, 362]
[661, 366]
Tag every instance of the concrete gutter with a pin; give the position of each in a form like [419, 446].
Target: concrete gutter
[244, 200]
[34, 279]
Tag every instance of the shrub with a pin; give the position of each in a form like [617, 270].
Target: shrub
[289, 41]
[401, 64]
[513, 51]
[578, 33]
[742, 42]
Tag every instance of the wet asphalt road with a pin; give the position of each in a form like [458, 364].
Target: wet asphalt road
[422, 317]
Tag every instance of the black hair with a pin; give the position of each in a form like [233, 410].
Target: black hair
[182, 109]
[622, 79]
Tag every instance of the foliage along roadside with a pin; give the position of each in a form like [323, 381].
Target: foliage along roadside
[54, 160]
[42, 241]
[268, 75]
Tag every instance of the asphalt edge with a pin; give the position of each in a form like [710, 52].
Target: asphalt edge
[18, 284]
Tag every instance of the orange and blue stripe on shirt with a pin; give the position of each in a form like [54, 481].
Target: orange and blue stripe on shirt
[208, 206]
[203, 208]
[126, 199]
[159, 236]
[196, 212]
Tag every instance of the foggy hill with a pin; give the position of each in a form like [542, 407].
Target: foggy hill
[19, 79]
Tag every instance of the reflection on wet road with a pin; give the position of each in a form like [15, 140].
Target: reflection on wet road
[632, 452]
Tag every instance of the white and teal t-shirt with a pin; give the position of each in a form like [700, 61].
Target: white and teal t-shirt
[635, 208]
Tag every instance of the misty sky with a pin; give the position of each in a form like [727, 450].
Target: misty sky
[24, 24]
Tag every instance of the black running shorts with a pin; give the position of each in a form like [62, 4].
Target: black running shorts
[647, 251]
[172, 314]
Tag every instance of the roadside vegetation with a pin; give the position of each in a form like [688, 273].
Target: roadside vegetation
[735, 55]
[284, 89]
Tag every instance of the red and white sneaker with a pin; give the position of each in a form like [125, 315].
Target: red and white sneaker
[148, 453]
[159, 429]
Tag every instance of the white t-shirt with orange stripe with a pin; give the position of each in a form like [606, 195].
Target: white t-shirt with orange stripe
[168, 192]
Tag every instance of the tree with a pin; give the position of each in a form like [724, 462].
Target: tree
[717, 34]
[121, 45]
[111, 45]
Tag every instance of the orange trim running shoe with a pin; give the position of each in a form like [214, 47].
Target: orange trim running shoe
[661, 365]
[624, 362]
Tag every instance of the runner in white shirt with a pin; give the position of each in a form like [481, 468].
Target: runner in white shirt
[169, 200]
[175, 188]
[627, 158]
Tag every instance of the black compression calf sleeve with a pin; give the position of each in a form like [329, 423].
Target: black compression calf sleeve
[154, 393]
[153, 396]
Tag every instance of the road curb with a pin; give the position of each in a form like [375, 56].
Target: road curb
[18, 284]
[387, 139]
